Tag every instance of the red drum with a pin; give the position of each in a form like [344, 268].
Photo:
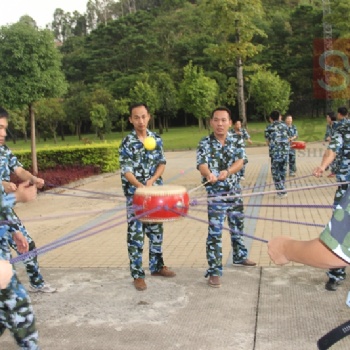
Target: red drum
[161, 203]
[298, 145]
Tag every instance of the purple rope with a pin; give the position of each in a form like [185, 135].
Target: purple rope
[224, 228]
[78, 196]
[73, 238]
[240, 215]
[85, 191]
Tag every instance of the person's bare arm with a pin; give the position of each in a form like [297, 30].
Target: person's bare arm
[205, 172]
[25, 175]
[132, 179]
[327, 159]
[283, 250]
[9, 187]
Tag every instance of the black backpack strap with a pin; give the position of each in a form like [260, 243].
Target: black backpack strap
[334, 336]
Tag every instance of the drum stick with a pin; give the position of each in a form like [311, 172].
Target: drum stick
[198, 187]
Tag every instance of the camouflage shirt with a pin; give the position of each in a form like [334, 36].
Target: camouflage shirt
[218, 157]
[277, 135]
[8, 162]
[238, 139]
[134, 158]
[330, 130]
[292, 131]
[340, 144]
[336, 235]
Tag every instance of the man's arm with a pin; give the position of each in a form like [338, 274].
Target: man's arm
[25, 175]
[327, 159]
[283, 250]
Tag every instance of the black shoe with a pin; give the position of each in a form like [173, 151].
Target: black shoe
[332, 285]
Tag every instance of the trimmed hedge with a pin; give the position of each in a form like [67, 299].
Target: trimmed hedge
[106, 157]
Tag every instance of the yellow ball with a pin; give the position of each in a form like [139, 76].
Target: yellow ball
[150, 143]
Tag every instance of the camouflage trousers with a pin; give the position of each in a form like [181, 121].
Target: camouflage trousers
[278, 171]
[16, 314]
[292, 161]
[31, 264]
[218, 211]
[135, 240]
[339, 274]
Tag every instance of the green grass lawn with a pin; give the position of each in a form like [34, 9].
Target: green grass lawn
[183, 138]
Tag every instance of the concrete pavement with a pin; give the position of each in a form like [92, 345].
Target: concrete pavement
[258, 308]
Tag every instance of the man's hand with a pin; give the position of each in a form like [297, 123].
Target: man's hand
[211, 178]
[318, 171]
[38, 182]
[223, 175]
[9, 187]
[149, 182]
[6, 273]
[276, 250]
[21, 242]
[25, 192]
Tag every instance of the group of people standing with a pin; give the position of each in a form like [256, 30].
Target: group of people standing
[332, 249]
[220, 160]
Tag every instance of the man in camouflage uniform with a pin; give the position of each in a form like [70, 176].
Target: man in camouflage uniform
[277, 138]
[293, 135]
[140, 168]
[339, 151]
[16, 312]
[10, 164]
[241, 134]
[219, 160]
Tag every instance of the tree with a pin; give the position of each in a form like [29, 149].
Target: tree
[101, 118]
[234, 26]
[144, 92]
[269, 92]
[18, 122]
[98, 117]
[338, 18]
[77, 107]
[197, 93]
[168, 103]
[30, 67]
[100, 12]
[50, 113]
[122, 110]
[66, 25]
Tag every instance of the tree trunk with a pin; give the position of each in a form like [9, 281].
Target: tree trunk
[240, 84]
[166, 122]
[33, 140]
[61, 132]
[160, 126]
[240, 92]
[200, 123]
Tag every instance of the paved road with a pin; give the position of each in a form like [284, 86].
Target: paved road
[260, 308]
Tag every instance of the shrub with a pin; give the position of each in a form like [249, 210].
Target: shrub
[103, 157]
